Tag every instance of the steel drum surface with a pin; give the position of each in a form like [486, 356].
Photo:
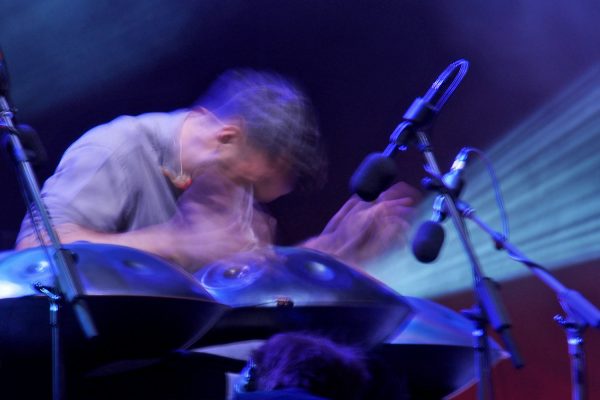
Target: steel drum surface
[300, 290]
[142, 306]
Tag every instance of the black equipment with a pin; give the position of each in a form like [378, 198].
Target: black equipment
[149, 312]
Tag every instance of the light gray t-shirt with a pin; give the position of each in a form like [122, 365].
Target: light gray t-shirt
[112, 180]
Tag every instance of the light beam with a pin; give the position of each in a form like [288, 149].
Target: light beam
[549, 172]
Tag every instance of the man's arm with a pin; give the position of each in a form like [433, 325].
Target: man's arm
[153, 239]
[183, 245]
[210, 224]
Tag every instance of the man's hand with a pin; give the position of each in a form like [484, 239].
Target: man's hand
[361, 231]
[215, 219]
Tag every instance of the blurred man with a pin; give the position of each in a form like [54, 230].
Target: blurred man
[186, 185]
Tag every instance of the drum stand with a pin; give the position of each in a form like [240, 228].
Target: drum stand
[61, 262]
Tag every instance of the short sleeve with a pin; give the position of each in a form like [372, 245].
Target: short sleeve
[89, 188]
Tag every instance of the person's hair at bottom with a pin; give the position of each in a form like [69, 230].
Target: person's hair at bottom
[313, 363]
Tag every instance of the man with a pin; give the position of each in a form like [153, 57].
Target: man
[185, 185]
[304, 366]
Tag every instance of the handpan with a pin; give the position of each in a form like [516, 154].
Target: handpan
[142, 306]
[418, 348]
[296, 289]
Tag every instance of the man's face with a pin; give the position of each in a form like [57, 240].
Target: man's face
[269, 178]
[207, 139]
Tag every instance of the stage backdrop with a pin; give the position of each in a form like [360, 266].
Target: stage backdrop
[530, 100]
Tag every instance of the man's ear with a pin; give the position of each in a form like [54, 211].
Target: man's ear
[231, 134]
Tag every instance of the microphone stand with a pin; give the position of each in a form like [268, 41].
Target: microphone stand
[580, 313]
[489, 308]
[61, 260]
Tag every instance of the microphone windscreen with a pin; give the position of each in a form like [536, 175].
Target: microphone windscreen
[34, 148]
[374, 175]
[428, 241]
[4, 81]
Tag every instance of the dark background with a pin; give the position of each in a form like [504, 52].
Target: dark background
[77, 64]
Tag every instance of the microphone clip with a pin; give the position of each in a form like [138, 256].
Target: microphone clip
[434, 183]
[418, 116]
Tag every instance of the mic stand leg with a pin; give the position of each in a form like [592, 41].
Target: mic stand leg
[58, 382]
[481, 346]
[574, 333]
[580, 312]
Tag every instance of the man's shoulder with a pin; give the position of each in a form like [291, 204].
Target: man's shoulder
[126, 133]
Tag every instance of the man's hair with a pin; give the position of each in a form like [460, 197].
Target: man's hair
[313, 363]
[277, 117]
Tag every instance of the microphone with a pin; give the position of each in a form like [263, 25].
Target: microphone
[428, 241]
[374, 175]
[6, 111]
[4, 81]
[34, 149]
[378, 171]
[429, 238]
[32, 144]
